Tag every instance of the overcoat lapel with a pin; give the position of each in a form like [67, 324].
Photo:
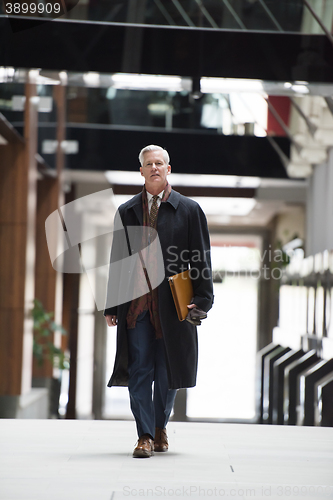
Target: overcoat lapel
[136, 205]
[139, 213]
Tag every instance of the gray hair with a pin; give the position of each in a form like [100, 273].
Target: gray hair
[152, 147]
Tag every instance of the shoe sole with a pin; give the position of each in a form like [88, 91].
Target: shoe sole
[142, 454]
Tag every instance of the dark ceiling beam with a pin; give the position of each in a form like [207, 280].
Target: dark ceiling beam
[191, 153]
[218, 192]
[169, 50]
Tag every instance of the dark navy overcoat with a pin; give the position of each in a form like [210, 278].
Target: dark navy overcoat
[183, 234]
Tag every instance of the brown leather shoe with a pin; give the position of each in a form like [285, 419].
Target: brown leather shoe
[161, 440]
[144, 447]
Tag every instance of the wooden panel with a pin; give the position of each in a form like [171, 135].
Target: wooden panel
[45, 275]
[11, 345]
[13, 203]
[47, 202]
[13, 175]
[18, 176]
[49, 198]
[12, 266]
[12, 225]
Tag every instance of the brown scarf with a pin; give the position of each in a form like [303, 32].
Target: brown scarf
[148, 301]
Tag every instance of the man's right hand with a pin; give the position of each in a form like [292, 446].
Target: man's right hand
[111, 320]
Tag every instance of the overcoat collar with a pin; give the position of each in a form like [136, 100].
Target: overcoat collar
[136, 203]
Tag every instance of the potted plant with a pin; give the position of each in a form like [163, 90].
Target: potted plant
[44, 351]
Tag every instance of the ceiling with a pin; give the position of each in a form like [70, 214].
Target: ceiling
[102, 58]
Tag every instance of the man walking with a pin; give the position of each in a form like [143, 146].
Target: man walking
[152, 344]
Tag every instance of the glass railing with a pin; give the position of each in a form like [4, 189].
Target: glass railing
[215, 112]
[223, 106]
[283, 16]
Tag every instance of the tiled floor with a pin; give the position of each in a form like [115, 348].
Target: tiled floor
[92, 460]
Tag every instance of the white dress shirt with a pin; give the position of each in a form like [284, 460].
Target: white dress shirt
[150, 199]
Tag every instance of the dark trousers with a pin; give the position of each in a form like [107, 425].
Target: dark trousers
[147, 364]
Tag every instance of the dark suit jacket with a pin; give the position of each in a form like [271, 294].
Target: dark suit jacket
[183, 233]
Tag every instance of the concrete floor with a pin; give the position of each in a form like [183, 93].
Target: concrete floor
[81, 460]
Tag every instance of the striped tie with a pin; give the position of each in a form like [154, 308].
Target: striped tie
[153, 212]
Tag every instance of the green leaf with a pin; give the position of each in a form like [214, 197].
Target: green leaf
[44, 328]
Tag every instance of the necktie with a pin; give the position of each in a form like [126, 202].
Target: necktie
[153, 212]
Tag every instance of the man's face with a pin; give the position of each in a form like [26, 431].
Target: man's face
[155, 171]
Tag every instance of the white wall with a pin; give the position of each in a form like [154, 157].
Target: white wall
[319, 217]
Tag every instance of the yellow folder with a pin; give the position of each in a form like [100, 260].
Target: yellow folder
[182, 292]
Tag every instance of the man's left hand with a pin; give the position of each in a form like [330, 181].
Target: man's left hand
[195, 315]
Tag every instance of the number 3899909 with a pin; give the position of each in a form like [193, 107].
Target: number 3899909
[19, 8]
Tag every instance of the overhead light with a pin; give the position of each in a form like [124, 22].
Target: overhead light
[33, 75]
[300, 87]
[45, 104]
[70, 147]
[227, 85]
[146, 82]
[49, 147]
[91, 79]
[159, 108]
[18, 102]
[6, 74]
[63, 77]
